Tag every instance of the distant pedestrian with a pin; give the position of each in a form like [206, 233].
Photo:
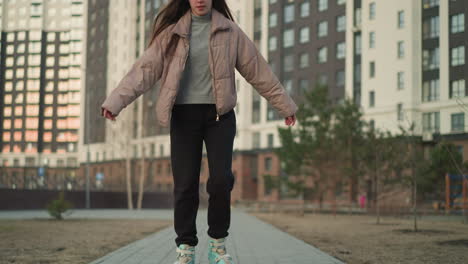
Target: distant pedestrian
[362, 201]
[194, 51]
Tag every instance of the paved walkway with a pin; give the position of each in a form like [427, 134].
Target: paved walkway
[250, 241]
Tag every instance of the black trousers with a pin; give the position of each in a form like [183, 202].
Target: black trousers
[191, 124]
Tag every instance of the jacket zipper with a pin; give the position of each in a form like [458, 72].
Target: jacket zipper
[213, 77]
[185, 62]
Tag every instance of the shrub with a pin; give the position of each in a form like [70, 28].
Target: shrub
[59, 206]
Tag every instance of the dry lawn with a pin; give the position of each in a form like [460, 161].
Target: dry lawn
[69, 241]
[357, 239]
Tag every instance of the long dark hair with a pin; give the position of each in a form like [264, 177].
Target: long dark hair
[173, 11]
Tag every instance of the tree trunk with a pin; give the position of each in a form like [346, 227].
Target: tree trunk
[415, 213]
[415, 189]
[465, 200]
[377, 204]
[129, 182]
[142, 179]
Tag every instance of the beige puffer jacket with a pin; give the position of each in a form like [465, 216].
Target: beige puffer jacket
[230, 49]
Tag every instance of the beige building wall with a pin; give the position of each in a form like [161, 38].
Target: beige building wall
[51, 16]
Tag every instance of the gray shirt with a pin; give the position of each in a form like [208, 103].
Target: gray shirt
[195, 84]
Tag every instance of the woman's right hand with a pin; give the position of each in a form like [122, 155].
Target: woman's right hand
[107, 114]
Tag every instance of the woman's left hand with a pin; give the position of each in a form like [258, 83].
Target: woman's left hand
[290, 120]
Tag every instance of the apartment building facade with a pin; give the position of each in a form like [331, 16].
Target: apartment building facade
[402, 61]
[40, 89]
[408, 60]
[296, 37]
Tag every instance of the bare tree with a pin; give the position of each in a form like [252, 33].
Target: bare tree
[142, 178]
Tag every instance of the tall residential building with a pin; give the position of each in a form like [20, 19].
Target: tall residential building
[40, 82]
[408, 64]
[306, 45]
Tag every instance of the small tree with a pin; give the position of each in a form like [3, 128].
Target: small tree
[59, 206]
[444, 158]
[413, 158]
[379, 153]
[309, 151]
[350, 138]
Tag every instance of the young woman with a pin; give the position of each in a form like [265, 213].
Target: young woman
[194, 51]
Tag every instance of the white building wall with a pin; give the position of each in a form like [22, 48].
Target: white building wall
[387, 96]
[387, 63]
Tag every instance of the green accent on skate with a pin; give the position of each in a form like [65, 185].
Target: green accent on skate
[216, 250]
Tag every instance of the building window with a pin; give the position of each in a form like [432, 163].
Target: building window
[458, 122]
[288, 85]
[322, 29]
[371, 99]
[357, 73]
[304, 35]
[357, 17]
[255, 107]
[372, 11]
[161, 150]
[288, 38]
[431, 122]
[288, 64]
[340, 78]
[401, 19]
[372, 69]
[458, 56]
[11, 36]
[303, 85]
[304, 60]
[430, 3]
[10, 49]
[458, 88]
[273, 20]
[357, 44]
[270, 139]
[268, 163]
[322, 55]
[20, 48]
[322, 79]
[400, 112]
[457, 23]
[431, 27]
[371, 39]
[272, 43]
[340, 50]
[400, 80]
[340, 2]
[305, 9]
[401, 49]
[289, 13]
[322, 5]
[431, 59]
[430, 91]
[340, 23]
[256, 140]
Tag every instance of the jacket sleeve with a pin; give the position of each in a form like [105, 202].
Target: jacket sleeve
[142, 76]
[256, 70]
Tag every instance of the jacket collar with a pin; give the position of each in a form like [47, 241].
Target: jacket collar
[218, 21]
